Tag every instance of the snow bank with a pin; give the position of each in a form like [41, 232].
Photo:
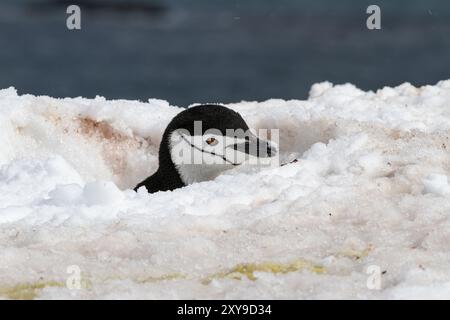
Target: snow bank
[364, 213]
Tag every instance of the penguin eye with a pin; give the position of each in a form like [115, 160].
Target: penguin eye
[212, 141]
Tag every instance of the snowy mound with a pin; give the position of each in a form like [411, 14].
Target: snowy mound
[363, 213]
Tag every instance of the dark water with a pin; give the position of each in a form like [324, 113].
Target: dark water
[210, 50]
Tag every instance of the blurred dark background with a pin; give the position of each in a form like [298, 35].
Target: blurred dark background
[219, 50]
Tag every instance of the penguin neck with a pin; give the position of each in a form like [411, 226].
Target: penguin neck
[166, 177]
[167, 172]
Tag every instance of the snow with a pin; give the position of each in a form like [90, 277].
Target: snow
[437, 184]
[369, 192]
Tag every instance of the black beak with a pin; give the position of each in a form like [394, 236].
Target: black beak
[255, 147]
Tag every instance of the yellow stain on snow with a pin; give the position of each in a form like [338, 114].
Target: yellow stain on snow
[165, 277]
[30, 291]
[356, 254]
[248, 270]
[27, 291]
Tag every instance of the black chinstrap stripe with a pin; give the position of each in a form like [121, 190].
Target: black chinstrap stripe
[209, 152]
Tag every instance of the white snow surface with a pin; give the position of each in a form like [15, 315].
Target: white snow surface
[370, 191]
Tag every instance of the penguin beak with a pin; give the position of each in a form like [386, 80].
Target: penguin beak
[255, 146]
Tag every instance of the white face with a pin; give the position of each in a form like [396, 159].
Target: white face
[203, 157]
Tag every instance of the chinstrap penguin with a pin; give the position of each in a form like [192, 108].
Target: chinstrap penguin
[200, 143]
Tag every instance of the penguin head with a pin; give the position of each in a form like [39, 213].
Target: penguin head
[203, 141]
